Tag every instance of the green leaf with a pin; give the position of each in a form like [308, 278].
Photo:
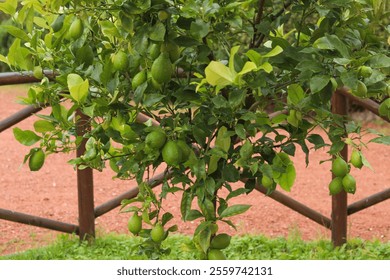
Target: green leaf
[158, 32]
[274, 52]
[295, 94]
[338, 45]
[317, 140]
[204, 238]
[9, 7]
[234, 210]
[25, 137]
[217, 74]
[317, 83]
[16, 32]
[199, 29]
[43, 126]
[379, 61]
[78, 88]
[287, 179]
[233, 52]
[381, 140]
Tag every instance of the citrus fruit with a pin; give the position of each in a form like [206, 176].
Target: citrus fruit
[156, 139]
[163, 15]
[157, 233]
[220, 241]
[361, 90]
[154, 50]
[162, 69]
[171, 153]
[365, 71]
[339, 167]
[119, 61]
[135, 224]
[384, 108]
[267, 182]
[38, 72]
[216, 254]
[58, 23]
[336, 186]
[349, 183]
[76, 29]
[36, 160]
[185, 150]
[172, 49]
[356, 159]
[138, 79]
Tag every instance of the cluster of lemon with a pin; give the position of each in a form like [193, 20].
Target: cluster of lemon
[343, 179]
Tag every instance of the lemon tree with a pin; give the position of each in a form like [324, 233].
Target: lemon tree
[207, 74]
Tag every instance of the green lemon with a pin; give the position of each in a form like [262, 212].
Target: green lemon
[216, 254]
[156, 139]
[157, 233]
[339, 167]
[120, 61]
[361, 90]
[365, 71]
[36, 160]
[336, 186]
[76, 29]
[154, 50]
[384, 108]
[172, 49]
[356, 159]
[38, 72]
[163, 15]
[135, 224]
[138, 79]
[267, 182]
[220, 241]
[162, 69]
[185, 150]
[171, 153]
[349, 184]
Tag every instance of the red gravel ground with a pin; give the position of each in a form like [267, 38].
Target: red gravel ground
[52, 193]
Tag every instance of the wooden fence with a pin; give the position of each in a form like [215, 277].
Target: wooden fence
[337, 223]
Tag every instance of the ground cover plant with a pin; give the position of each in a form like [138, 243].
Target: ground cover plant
[121, 247]
[207, 74]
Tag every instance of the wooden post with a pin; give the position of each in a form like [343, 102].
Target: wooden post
[339, 201]
[85, 186]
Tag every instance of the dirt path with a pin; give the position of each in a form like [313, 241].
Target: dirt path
[51, 193]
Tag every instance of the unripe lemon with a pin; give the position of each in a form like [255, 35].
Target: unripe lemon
[172, 49]
[216, 254]
[336, 186]
[162, 69]
[135, 224]
[138, 79]
[365, 71]
[36, 159]
[154, 51]
[119, 61]
[171, 153]
[185, 150]
[267, 182]
[349, 184]
[58, 23]
[76, 29]
[384, 108]
[85, 56]
[38, 72]
[220, 241]
[339, 167]
[356, 159]
[163, 15]
[157, 233]
[361, 90]
[156, 139]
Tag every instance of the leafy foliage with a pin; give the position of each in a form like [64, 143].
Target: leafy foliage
[206, 73]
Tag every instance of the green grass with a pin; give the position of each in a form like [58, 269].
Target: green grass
[124, 247]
